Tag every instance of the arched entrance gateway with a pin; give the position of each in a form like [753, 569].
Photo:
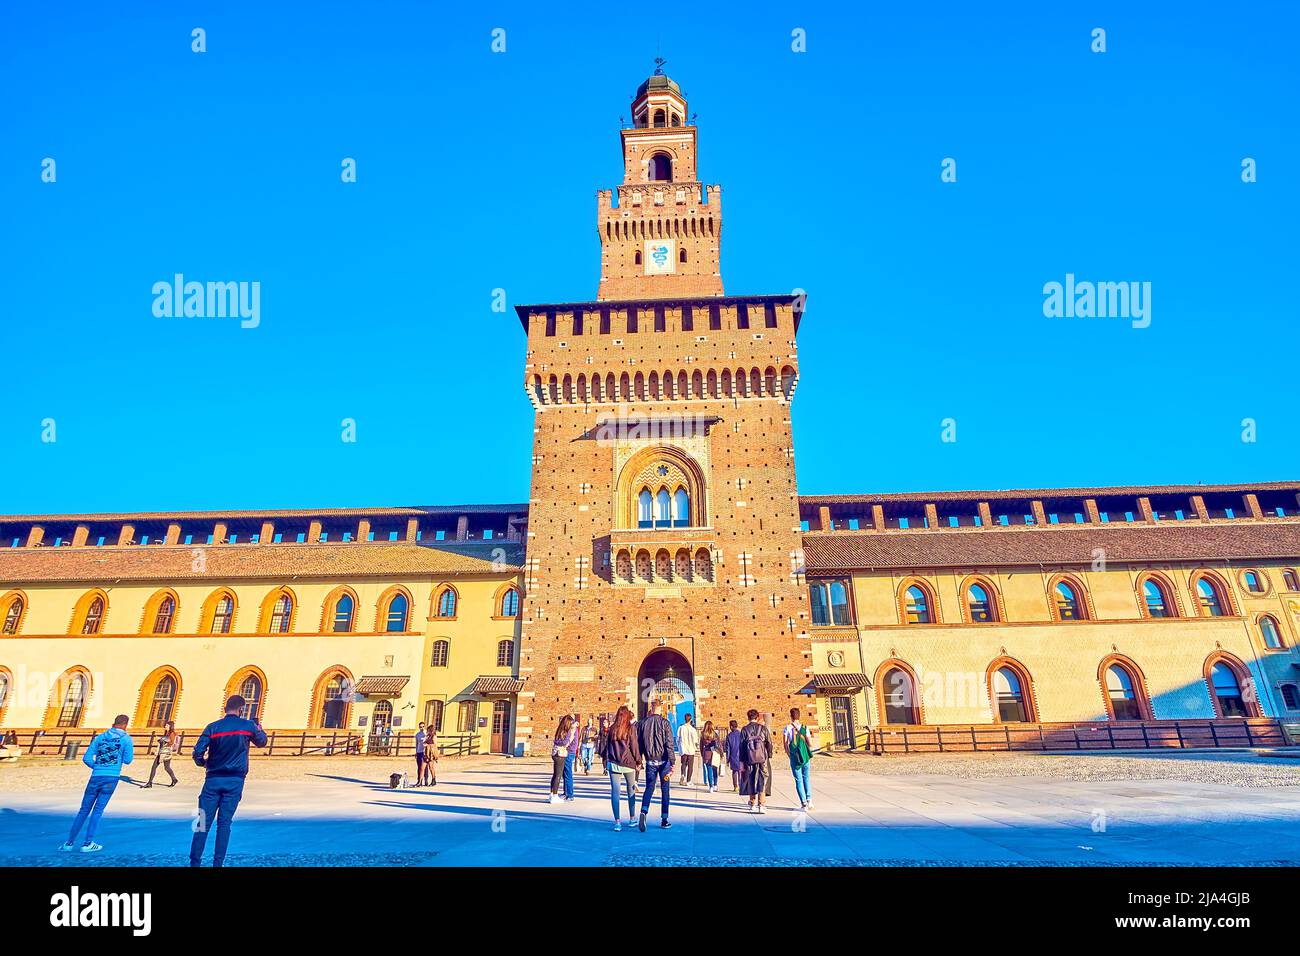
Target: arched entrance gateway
[666, 675]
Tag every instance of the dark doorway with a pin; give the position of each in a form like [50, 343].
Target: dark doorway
[666, 675]
[842, 722]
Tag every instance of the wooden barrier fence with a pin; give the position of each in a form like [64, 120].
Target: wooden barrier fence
[1091, 735]
[279, 743]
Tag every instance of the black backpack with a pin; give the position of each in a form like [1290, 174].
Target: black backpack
[755, 751]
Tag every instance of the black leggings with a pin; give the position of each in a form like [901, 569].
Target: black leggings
[557, 772]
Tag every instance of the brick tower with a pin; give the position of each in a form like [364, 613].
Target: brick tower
[664, 550]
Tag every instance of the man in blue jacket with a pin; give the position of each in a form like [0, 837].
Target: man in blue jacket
[223, 751]
[105, 757]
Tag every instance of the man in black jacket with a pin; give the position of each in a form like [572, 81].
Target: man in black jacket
[655, 735]
[223, 751]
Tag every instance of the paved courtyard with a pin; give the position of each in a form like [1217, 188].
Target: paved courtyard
[1213, 809]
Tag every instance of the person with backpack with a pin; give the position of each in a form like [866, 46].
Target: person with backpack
[755, 752]
[222, 751]
[105, 757]
[655, 735]
[798, 747]
[732, 746]
[621, 752]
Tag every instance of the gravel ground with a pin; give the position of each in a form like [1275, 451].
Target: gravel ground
[1234, 769]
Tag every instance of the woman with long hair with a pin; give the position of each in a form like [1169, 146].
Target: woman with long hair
[710, 755]
[562, 748]
[168, 743]
[622, 755]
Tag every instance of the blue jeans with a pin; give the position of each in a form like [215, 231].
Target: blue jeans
[218, 801]
[588, 751]
[616, 781]
[568, 776]
[710, 775]
[803, 781]
[93, 802]
[661, 774]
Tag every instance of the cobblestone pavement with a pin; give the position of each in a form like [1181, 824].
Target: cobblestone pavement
[980, 810]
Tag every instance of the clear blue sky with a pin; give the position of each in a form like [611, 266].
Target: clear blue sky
[479, 170]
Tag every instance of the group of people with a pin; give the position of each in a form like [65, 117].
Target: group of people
[628, 746]
[221, 750]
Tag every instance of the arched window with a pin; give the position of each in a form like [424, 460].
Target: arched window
[89, 618]
[12, 614]
[681, 508]
[162, 621]
[661, 118]
[917, 606]
[1253, 581]
[433, 711]
[1229, 699]
[623, 566]
[1010, 702]
[681, 255]
[73, 702]
[383, 716]
[899, 698]
[1068, 602]
[163, 703]
[1268, 630]
[510, 603]
[644, 566]
[663, 518]
[395, 616]
[344, 610]
[335, 702]
[505, 653]
[980, 604]
[1211, 596]
[661, 168]
[1157, 598]
[1290, 580]
[1121, 694]
[682, 564]
[663, 565]
[223, 614]
[250, 688]
[446, 603]
[703, 564]
[644, 509]
[281, 615]
[4, 690]
[441, 654]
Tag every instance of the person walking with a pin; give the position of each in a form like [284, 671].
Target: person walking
[588, 743]
[105, 757]
[566, 734]
[798, 747]
[656, 739]
[731, 744]
[755, 754]
[621, 752]
[710, 756]
[420, 737]
[168, 743]
[688, 745]
[222, 750]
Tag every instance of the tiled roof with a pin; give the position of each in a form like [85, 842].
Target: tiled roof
[1029, 493]
[992, 547]
[498, 685]
[381, 686]
[234, 561]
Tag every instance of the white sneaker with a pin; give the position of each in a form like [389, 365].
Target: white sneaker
[67, 848]
[555, 798]
[618, 826]
[91, 848]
